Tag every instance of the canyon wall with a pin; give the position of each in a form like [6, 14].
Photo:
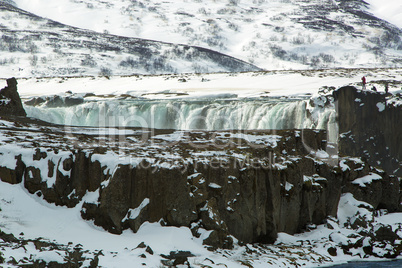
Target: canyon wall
[370, 126]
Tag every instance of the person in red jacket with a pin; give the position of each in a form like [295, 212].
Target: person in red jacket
[363, 83]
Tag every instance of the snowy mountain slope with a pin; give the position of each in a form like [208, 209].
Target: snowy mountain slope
[33, 46]
[270, 34]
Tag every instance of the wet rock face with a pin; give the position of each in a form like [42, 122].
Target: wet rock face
[370, 127]
[10, 101]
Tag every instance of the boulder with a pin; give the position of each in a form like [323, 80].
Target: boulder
[13, 175]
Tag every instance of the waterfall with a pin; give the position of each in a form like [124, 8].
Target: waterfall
[188, 114]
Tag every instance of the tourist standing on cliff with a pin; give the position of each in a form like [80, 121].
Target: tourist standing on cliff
[363, 83]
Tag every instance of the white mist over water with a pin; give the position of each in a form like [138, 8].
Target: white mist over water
[190, 114]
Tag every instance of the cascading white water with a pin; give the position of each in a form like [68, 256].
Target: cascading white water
[188, 114]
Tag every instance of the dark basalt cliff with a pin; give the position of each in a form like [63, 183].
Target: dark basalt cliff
[249, 192]
[370, 126]
[241, 191]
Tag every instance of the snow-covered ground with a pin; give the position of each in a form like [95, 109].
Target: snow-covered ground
[253, 84]
[29, 214]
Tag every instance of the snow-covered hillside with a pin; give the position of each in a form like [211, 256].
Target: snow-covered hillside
[34, 46]
[270, 34]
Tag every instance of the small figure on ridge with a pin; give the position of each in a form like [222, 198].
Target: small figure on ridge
[363, 83]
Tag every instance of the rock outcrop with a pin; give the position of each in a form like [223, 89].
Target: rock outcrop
[370, 127]
[10, 101]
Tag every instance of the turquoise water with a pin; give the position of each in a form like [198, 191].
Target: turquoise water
[380, 264]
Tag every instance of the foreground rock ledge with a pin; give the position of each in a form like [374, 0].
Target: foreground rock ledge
[249, 185]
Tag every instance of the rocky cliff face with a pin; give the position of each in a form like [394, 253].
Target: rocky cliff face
[234, 187]
[370, 127]
[249, 185]
[10, 101]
